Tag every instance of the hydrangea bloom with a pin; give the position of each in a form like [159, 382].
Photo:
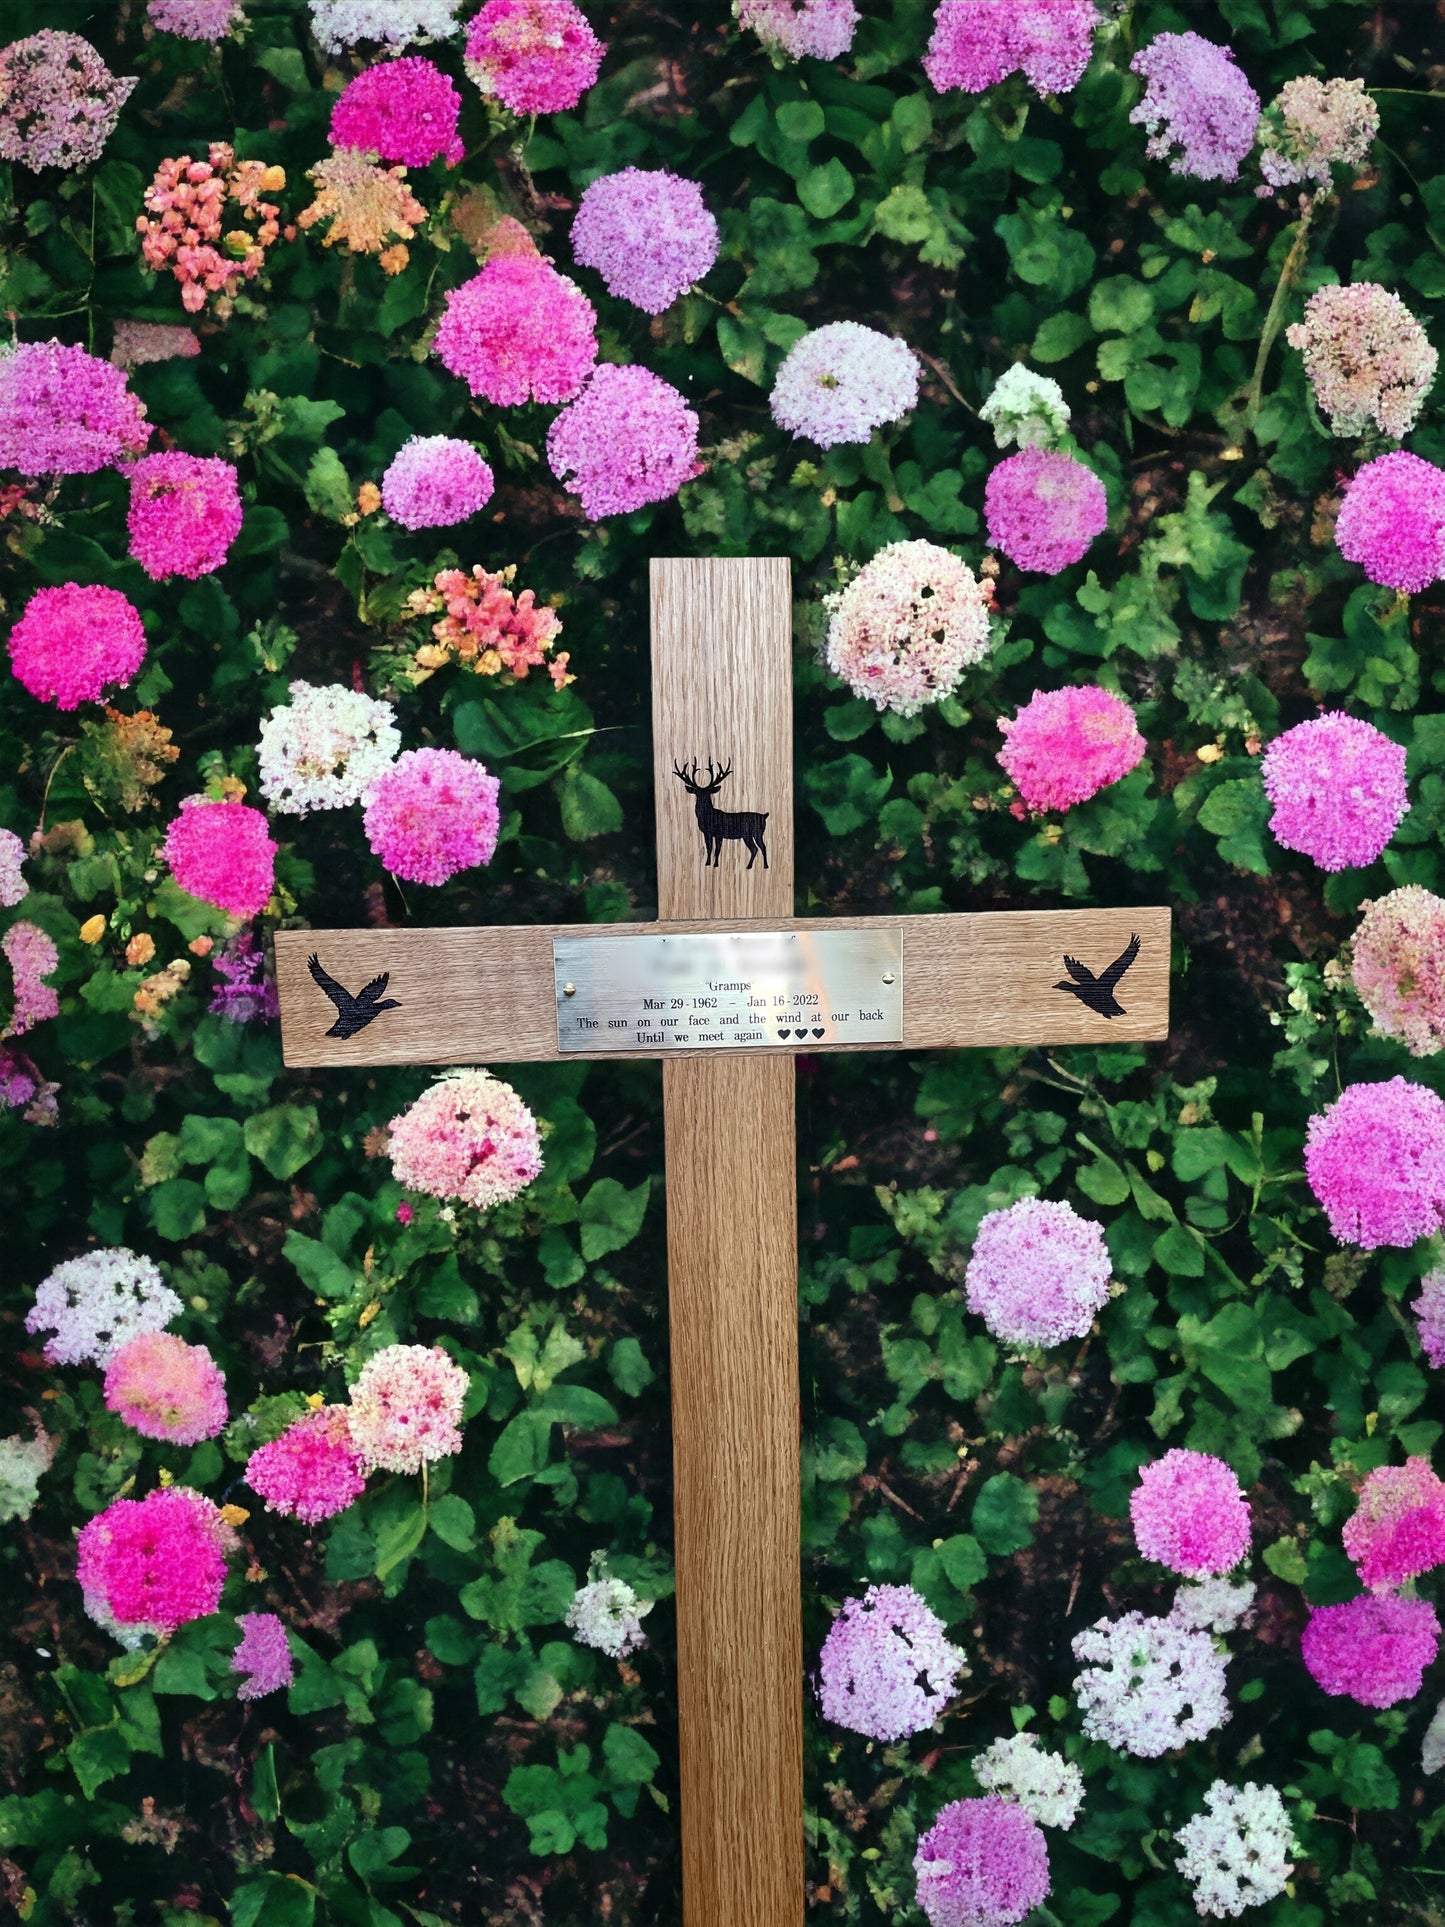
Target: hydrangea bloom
[400, 110]
[13, 887]
[246, 993]
[433, 481]
[840, 382]
[1237, 1850]
[1374, 1650]
[1025, 408]
[1429, 1309]
[1214, 1605]
[1398, 966]
[1367, 358]
[94, 1303]
[977, 42]
[1200, 111]
[32, 956]
[431, 814]
[1065, 745]
[406, 1408]
[151, 1564]
[263, 1655]
[167, 1389]
[1392, 521]
[983, 1863]
[1375, 1159]
[886, 1669]
[396, 23]
[606, 1613]
[1338, 789]
[518, 331]
[1189, 1514]
[208, 20]
[185, 512]
[1044, 1784]
[1312, 123]
[1038, 1273]
[206, 224]
[1044, 508]
[536, 56]
[313, 1470]
[648, 233]
[323, 749]
[468, 1137]
[906, 627]
[628, 439]
[798, 29]
[221, 853]
[367, 209]
[1152, 1684]
[64, 412]
[137, 343]
[59, 102]
[74, 642]
[1397, 1530]
[484, 623]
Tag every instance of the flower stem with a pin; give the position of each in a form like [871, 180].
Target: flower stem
[1274, 320]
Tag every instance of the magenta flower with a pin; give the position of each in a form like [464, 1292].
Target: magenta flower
[1397, 962]
[32, 956]
[400, 110]
[468, 1137]
[1201, 112]
[263, 1655]
[1038, 1273]
[1372, 1650]
[1376, 1162]
[151, 1564]
[1338, 789]
[518, 331]
[628, 439]
[167, 1389]
[983, 1863]
[798, 29]
[75, 642]
[886, 1668]
[64, 412]
[222, 854]
[1392, 521]
[406, 1408]
[1065, 745]
[431, 814]
[1044, 509]
[647, 233]
[185, 512]
[1397, 1530]
[536, 56]
[313, 1470]
[1190, 1515]
[434, 481]
[976, 43]
[59, 102]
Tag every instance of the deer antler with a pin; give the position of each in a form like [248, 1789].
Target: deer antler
[688, 780]
[722, 774]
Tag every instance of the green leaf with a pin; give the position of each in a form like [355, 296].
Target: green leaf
[611, 1216]
[399, 1539]
[799, 120]
[273, 1900]
[630, 1759]
[1286, 1561]
[826, 190]
[962, 1559]
[328, 487]
[453, 1522]
[1004, 1513]
[320, 1268]
[284, 1138]
[1120, 303]
[178, 1208]
[1237, 812]
[627, 1366]
[587, 806]
[1059, 336]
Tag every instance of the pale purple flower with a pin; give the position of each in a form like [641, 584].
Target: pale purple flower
[648, 233]
[59, 102]
[1338, 789]
[1190, 1515]
[1237, 1850]
[1392, 521]
[841, 381]
[1374, 1650]
[1038, 1273]
[1375, 1159]
[65, 412]
[92, 1304]
[395, 23]
[1200, 110]
[434, 481]
[263, 1655]
[207, 20]
[886, 1668]
[815, 29]
[1311, 124]
[1429, 1309]
[13, 887]
[628, 439]
[983, 1863]
[976, 43]
[246, 993]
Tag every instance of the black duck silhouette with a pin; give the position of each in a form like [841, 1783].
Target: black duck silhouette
[1098, 992]
[353, 1013]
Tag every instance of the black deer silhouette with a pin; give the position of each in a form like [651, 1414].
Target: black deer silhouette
[723, 826]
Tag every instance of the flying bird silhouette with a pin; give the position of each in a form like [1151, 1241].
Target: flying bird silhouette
[353, 1013]
[1098, 992]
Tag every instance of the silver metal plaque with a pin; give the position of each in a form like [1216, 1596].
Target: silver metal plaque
[787, 990]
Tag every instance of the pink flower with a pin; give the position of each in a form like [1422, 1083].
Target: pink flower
[469, 1137]
[1044, 509]
[137, 343]
[434, 481]
[13, 887]
[886, 1668]
[841, 381]
[204, 20]
[976, 43]
[488, 625]
[647, 233]
[406, 1408]
[536, 56]
[983, 1863]
[311, 1472]
[31, 956]
[1201, 112]
[628, 439]
[1398, 966]
[1038, 1273]
[185, 512]
[167, 1389]
[221, 853]
[1397, 1531]
[1190, 1515]
[151, 1564]
[1376, 1161]
[263, 1654]
[1367, 357]
[64, 412]
[1338, 789]
[817, 29]
[906, 627]
[1392, 521]
[59, 102]
[206, 224]
[1065, 745]
[518, 331]
[75, 642]
[432, 814]
[1429, 1309]
[400, 110]
[1373, 1650]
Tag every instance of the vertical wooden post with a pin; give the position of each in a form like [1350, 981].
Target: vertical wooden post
[722, 688]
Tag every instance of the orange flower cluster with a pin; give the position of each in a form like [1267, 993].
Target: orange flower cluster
[185, 229]
[370, 209]
[486, 626]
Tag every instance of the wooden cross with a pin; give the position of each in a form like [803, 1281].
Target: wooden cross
[722, 690]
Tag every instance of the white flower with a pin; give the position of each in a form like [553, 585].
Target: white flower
[1432, 1750]
[94, 1303]
[1046, 1785]
[22, 1461]
[1213, 1605]
[841, 381]
[324, 748]
[1237, 1852]
[607, 1613]
[398, 23]
[1154, 1684]
[1025, 408]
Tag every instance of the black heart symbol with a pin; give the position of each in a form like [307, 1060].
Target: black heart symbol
[782, 1033]
[818, 1032]
[800, 1033]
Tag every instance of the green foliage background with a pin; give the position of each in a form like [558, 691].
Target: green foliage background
[448, 1753]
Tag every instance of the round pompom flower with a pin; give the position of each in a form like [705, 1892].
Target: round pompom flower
[221, 853]
[816, 29]
[906, 627]
[977, 42]
[1237, 1851]
[65, 412]
[1392, 521]
[1429, 1310]
[627, 440]
[536, 56]
[983, 1863]
[203, 20]
[185, 512]
[1374, 1650]
[1044, 1784]
[325, 748]
[886, 1669]
[1044, 508]
[167, 1389]
[1398, 966]
[468, 1137]
[151, 1564]
[1038, 1273]
[75, 642]
[1201, 112]
[1025, 408]
[840, 382]
[406, 1408]
[1190, 1515]
[59, 102]
[648, 233]
[262, 1655]
[1375, 1159]
[1367, 358]
[431, 814]
[1338, 789]
[434, 481]
[1065, 745]
[518, 331]
[94, 1303]
[606, 1613]
[313, 1470]
[402, 111]
[1397, 1530]
[395, 23]
[1153, 1684]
